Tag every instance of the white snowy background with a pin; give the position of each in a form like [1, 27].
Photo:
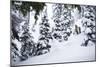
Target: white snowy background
[5, 34]
[66, 51]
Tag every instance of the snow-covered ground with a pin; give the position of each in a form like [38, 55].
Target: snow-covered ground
[69, 51]
[65, 51]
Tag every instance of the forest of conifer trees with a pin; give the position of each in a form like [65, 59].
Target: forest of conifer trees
[39, 29]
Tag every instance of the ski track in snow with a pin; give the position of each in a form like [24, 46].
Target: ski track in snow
[69, 51]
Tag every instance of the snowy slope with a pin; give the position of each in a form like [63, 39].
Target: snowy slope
[60, 51]
[69, 51]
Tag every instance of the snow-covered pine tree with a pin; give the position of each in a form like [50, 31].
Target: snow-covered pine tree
[90, 25]
[43, 45]
[29, 47]
[67, 21]
[62, 19]
[57, 10]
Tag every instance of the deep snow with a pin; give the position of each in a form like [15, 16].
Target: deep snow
[65, 51]
[69, 51]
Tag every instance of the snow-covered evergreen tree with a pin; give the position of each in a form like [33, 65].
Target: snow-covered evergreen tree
[89, 22]
[63, 21]
[43, 45]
